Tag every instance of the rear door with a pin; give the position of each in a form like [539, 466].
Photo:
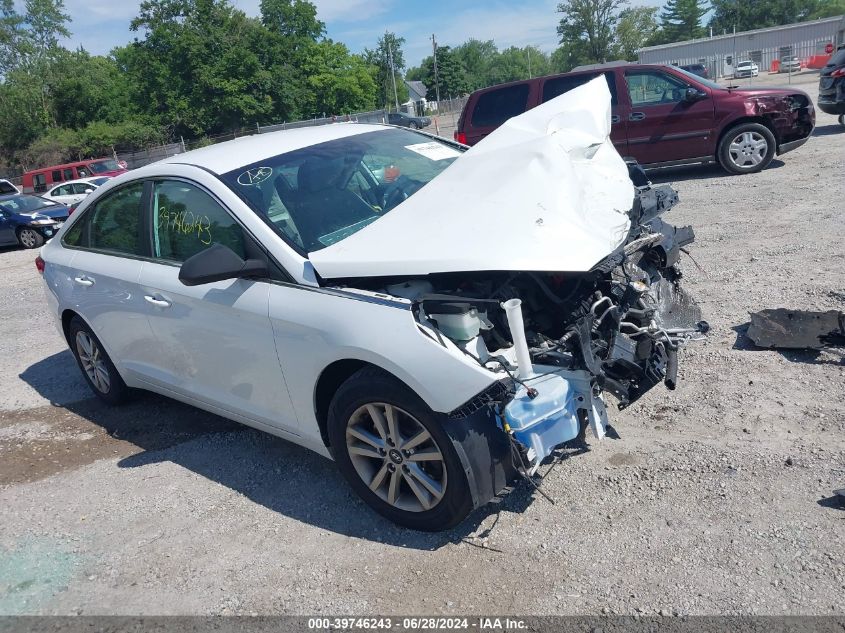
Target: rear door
[555, 86]
[663, 126]
[495, 106]
[104, 276]
[215, 340]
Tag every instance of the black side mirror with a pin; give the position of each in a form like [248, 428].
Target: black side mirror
[217, 263]
[694, 94]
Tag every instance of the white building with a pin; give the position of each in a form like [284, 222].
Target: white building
[806, 40]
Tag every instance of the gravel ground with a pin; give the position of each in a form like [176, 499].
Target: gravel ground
[717, 498]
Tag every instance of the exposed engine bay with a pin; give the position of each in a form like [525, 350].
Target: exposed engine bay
[563, 340]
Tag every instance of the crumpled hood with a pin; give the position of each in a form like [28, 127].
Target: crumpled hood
[51, 212]
[546, 191]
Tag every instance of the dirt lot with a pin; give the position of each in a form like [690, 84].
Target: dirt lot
[716, 499]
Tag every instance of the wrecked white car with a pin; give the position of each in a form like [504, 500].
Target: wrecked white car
[436, 320]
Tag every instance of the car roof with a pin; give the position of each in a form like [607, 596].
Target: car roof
[224, 157]
[82, 181]
[613, 64]
[9, 196]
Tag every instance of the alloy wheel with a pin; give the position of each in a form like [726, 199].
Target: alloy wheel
[748, 149]
[92, 361]
[29, 238]
[396, 457]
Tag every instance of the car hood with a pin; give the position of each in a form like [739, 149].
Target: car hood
[546, 191]
[53, 211]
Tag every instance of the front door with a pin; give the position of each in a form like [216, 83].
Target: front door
[663, 126]
[216, 341]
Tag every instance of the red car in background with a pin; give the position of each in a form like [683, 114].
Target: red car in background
[664, 116]
[38, 180]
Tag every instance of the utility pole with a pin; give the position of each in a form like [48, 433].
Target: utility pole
[528, 48]
[392, 71]
[436, 79]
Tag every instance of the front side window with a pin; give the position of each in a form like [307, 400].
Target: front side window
[497, 106]
[654, 88]
[187, 220]
[101, 166]
[114, 223]
[319, 195]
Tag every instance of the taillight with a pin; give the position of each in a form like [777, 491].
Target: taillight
[71, 209]
[39, 264]
[461, 137]
[839, 72]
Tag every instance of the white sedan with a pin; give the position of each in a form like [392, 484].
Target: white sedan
[746, 69]
[438, 333]
[72, 191]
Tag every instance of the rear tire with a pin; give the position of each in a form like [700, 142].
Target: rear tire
[96, 366]
[842, 120]
[414, 125]
[30, 238]
[747, 148]
[391, 448]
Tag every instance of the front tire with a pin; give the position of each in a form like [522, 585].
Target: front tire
[414, 125]
[747, 148]
[393, 451]
[30, 238]
[842, 120]
[97, 368]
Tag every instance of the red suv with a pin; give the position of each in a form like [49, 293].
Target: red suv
[664, 116]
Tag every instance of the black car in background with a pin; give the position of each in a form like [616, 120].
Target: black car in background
[405, 120]
[832, 85]
[29, 220]
[697, 69]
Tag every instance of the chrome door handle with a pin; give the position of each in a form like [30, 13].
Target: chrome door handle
[84, 281]
[615, 118]
[159, 303]
[636, 116]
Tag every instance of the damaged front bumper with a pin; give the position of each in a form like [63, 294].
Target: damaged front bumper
[622, 338]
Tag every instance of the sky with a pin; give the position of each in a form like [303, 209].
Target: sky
[100, 25]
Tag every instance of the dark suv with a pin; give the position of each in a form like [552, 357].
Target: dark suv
[406, 120]
[832, 85]
[663, 115]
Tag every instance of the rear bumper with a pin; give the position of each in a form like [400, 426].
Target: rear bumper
[831, 107]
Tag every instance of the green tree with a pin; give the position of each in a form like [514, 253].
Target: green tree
[827, 9]
[478, 59]
[388, 60]
[295, 19]
[637, 26]
[14, 41]
[451, 75]
[746, 16]
[592, 22]
[681, 20]
[339, 82]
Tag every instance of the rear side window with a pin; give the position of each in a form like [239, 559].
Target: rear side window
[68, 173]
[560, 85]
[57, 175]
[497, 106]
[113, 224]
[187, 220]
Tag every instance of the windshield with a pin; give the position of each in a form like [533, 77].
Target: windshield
[25, 204]
[700, 79]
[319, 195]
[103, 165]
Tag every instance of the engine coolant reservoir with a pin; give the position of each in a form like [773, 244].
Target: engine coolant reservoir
[549, 419]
